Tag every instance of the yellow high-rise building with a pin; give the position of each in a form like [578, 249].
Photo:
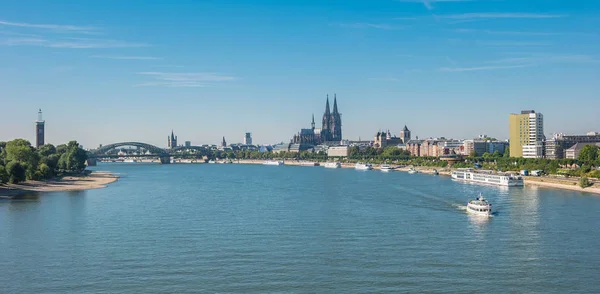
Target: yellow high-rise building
[526, 134]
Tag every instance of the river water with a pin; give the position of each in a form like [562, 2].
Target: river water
[283, 229]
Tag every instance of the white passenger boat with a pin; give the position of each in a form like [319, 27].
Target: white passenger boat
[363, 166]
[273, 162]
[386, 168]
[212, 161]
[332, 165]
[412, 171]
[487, 177]
[129, 160]
[479, 206]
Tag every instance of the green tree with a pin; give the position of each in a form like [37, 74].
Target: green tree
[4, 177]
[473, 154]
[506, 152]
[20, 150]
[584, 182]
[45, 171]
[588, 155]
[46, 150]
[497, 154]
[16, 172]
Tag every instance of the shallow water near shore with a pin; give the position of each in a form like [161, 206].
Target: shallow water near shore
[231, 228]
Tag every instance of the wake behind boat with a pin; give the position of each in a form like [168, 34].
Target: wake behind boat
[363, 166]
[479, 206]
[273, 162]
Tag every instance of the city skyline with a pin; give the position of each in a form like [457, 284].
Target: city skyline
[207, 70]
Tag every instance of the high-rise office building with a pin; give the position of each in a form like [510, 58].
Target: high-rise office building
[526, 134]
[248, 139]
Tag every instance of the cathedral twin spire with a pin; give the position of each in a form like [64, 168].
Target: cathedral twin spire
[332, 121]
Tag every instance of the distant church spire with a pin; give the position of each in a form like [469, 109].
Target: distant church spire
[224, 143]
[313, 121]
[335, 110]
[327, 106]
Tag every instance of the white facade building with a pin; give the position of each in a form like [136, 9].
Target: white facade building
[340, 151]
[535, 147]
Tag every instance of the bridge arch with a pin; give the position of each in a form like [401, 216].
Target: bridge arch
[153, 149]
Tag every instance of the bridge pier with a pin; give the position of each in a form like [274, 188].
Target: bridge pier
[165, 159]
[91, 162]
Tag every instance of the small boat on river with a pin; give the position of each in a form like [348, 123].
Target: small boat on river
[479, 206]
[386, 168]
[273, 162]
[332, 165]
[363, 166]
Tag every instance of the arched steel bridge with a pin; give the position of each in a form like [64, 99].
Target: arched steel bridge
[102, 151]
[163, 154]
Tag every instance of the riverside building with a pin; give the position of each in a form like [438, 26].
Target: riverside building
[526, 132]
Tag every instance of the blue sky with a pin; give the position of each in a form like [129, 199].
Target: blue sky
[112, 71]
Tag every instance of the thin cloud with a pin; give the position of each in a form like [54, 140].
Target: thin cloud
[429, 3]
[9, 33]
[469, 16]
[127, 57]
[548, 59]
[482, 68]
[71, 43]
[172, 84]
[513, 44]
[404, 18]
[54, 27]
[492, 32]
[201, 79]
[385, 79]
[364, 25]
[450, 60]
[522, 33]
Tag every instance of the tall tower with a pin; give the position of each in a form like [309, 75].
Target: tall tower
[172, 140]
[526, 131]
[335, 122]
[39, 130]
[313, 122]
[248, 139]
[405, 135]
[224, 143]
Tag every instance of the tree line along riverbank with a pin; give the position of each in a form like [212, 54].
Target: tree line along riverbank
[19, 161]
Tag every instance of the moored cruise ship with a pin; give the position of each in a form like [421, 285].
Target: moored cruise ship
[487, 177]
[273, 162]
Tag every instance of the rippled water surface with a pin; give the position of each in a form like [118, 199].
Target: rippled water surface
[263, 229]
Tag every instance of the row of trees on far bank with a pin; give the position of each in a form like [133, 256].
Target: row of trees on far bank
[585, 165]
[19, 161]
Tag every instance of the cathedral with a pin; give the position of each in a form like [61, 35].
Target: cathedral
[331, 128]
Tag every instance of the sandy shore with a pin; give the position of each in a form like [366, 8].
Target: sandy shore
[566, 184]
[93, 180]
